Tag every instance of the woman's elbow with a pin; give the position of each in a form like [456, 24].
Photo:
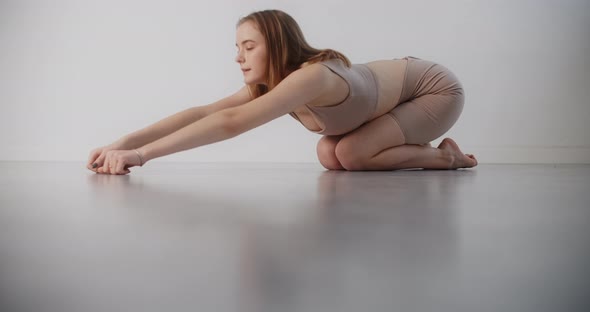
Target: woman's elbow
[231, 125]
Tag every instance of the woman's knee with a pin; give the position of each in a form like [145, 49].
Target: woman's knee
[347, 154]
[326, 150]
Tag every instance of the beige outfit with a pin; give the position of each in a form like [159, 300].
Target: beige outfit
[430, 102]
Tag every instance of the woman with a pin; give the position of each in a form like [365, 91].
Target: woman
[375, 116]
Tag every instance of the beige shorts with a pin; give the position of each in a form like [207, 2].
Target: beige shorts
[430, 103]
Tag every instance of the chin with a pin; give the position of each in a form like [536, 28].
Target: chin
[254, 81]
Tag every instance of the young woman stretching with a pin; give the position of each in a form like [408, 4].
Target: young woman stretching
[375, 116]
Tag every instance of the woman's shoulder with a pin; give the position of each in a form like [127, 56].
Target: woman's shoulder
[307, 76]
[311, 69]
[311, 80]
[321, 72]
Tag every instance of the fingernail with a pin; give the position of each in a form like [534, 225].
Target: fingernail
[94, 165]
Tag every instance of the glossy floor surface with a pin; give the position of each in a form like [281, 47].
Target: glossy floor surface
[293, 237]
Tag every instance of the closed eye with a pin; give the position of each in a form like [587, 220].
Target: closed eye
[238, 51]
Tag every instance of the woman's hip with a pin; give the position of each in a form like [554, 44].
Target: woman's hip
[426, 77]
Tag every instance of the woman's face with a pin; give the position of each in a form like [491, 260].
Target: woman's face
[252, 54]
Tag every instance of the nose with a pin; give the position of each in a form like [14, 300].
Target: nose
[239, 58]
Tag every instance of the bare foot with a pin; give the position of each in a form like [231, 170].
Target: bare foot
[460, 160]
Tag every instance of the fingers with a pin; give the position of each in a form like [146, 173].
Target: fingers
[120, 166]
[96, 162]
[91, 159]
[104, 163]
[113, 164]
[101, 159]
[108, 163]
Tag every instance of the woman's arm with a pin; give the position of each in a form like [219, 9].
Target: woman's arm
[182, 119]
[299, 88]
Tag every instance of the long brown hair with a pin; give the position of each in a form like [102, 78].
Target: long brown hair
[287, 48]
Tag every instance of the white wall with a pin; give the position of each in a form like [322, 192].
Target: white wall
[77, 74]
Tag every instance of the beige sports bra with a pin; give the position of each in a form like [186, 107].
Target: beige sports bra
[356, 109]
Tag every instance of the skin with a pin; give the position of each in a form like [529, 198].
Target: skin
[370, 147]
[252, 54]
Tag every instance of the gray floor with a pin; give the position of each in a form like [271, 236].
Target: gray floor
[293, 237]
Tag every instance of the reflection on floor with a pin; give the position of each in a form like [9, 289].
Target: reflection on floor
[293, 237]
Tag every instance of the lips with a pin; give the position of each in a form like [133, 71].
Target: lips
[245, 70]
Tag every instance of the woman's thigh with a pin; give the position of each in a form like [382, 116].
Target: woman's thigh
[428, 117]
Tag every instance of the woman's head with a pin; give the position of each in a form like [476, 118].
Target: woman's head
[271, 45]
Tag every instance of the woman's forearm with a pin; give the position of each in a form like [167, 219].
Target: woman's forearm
[210, 129]
[162, 128]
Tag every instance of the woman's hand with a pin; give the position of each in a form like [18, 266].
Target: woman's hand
[119, 161]
[97, 156]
